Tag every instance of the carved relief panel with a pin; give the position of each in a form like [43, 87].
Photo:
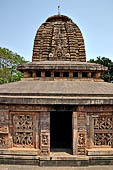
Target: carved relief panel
[82, 131]
[59, 42]
[4, 129]
[3, 141]
[45, 142]
[23, 130]
[45, 132]
[102, 132]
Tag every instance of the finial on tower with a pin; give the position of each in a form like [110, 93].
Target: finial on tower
[58, 9]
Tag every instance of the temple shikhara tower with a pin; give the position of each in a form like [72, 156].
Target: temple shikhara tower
[61, 105]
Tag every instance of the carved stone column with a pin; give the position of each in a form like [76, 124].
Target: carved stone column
[45, 133]
[79, 75]
[82, 130]
[34, 74]
[70, 74]
[89, 74]
[37, 142]
[98, 75]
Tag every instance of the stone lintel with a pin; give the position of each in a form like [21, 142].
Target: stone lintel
[45, 100]
[64, 67]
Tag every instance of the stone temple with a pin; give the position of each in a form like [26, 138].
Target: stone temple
[61, 109]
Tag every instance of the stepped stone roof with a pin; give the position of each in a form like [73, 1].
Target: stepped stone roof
[59, 38]
[58, 45]
[66, 65]
[57, 87]
[56, 92]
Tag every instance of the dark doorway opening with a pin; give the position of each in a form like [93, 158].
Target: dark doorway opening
[61, 130]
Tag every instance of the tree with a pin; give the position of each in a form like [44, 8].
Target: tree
[9, 61]
[108, 75]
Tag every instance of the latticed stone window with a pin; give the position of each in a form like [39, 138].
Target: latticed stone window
[103, 130]
[23, 130]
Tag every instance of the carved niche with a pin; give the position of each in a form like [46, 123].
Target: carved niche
[59, 43]
[44, 143]
[23, 130]
[3, 141]
[81, 139]
[44, 139]
[103, 130]
[4, 129]
[3, 117]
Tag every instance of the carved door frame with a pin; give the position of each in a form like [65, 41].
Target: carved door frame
[74, 133]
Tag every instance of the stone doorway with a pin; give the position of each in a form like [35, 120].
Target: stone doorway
[61, 131]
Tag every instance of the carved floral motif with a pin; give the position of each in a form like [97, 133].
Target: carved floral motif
[23, 138]
[103, 122]
[103, 138]
[103, 134]
[23, 129]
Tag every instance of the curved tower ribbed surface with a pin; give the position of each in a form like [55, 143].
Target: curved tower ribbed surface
[59, 38]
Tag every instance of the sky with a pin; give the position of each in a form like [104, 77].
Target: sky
[20, 19]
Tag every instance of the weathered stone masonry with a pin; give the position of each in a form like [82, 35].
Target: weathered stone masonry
[21, 127]
[57, 81]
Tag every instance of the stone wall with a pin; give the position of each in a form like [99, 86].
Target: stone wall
[28, 126]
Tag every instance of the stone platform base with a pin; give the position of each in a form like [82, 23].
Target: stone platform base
[16, 151]
[100, 152]
[56, 161]
[56, 157]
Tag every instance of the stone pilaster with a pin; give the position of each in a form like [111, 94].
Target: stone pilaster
[34, 74]
[74, 131]
[4, 130]
[79, 75]
[45, 133]
[82, 131]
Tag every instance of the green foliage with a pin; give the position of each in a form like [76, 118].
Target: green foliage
[108, 75]
[9, 61]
